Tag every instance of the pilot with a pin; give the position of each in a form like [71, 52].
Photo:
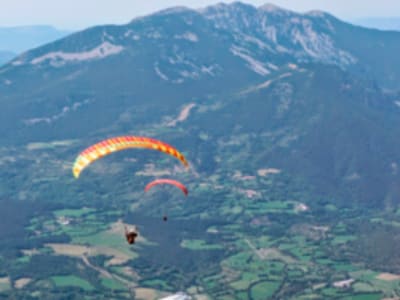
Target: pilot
[130, 235]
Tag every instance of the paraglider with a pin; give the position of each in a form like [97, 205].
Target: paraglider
[167, 181]
[108, 146]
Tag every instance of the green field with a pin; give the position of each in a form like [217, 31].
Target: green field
[112, 284]
[71, 281]
[264, 290]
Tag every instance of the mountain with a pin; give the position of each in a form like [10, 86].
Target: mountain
[289, 121]
[21, 38]
[5, 56]
[379, 23]
[140, 74]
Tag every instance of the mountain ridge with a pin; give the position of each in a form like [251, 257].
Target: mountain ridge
[309, 36]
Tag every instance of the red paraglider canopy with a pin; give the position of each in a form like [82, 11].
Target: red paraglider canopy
[167, 181]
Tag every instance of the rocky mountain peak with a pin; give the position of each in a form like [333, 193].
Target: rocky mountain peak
[172, 10]
[274, 9]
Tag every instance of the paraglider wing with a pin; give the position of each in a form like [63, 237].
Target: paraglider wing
[167, 181]
[108, 146]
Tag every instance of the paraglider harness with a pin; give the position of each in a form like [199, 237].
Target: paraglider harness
[130, 235]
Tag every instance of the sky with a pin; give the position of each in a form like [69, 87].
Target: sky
[79, 14]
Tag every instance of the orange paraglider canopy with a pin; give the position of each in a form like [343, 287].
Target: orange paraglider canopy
[108, 146]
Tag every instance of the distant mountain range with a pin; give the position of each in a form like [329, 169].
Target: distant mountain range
[6, 56]
[380, 23]
[14, 40]
[234, 84]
